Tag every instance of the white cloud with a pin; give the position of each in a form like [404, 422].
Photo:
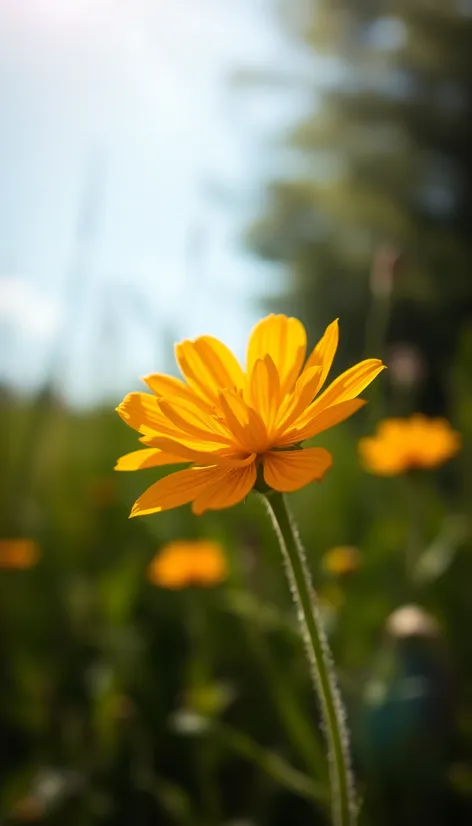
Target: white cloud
[27, 310]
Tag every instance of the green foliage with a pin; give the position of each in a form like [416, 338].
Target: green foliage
[125, 703]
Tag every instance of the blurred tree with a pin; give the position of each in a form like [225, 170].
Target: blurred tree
[382, 156]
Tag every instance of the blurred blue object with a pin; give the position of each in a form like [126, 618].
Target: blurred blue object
[403, 733]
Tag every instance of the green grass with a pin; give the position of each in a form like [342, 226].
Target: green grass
[117, 707]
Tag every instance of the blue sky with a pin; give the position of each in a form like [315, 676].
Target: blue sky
[126, 103]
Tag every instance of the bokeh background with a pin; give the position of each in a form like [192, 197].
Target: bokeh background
[174, 169]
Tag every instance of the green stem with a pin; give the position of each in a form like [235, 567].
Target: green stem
[342, 792]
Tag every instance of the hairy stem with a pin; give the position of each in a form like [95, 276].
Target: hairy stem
[342, 792]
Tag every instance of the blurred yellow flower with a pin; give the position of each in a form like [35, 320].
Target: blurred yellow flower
[18, 553]
[29, 809]
[401, 445]
[343, 559]
[184, 563]
[240, 427]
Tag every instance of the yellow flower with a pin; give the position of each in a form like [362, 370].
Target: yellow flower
[188, 562]
[237, 427]
[343, 559]
[18, 553]
[29, 809]
[404, 444]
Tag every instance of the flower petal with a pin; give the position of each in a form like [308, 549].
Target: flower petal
[284, 340]
[141, 411]
[317, 421]
[209, 367]
[177, 489]
[325, 351]
[350, 383]
[305, 390]
[227, 491]
[192, 422]
[245, 424]
[402, 444]
[264, 390]
[204, 453]
[235, 415]
[220, 363]
[288, 470]
[383, 459]
[170, 388]
[145, 458]
[182, 563]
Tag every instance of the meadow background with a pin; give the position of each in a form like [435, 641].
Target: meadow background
[169, 172]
